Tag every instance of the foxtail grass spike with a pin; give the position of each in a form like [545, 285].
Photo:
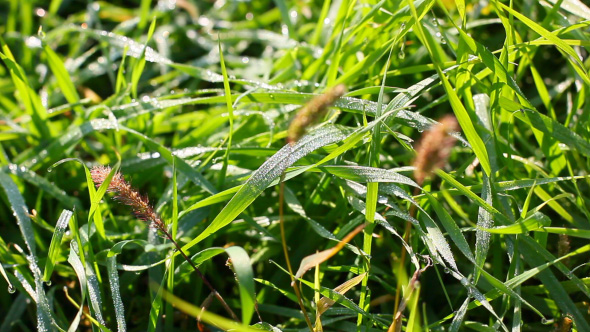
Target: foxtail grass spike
[434, 148]
[312, 111]
[142, 209]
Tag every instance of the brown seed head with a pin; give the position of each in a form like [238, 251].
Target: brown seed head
[563, 247]
[434, 147]
[128, 196]
[312, 111]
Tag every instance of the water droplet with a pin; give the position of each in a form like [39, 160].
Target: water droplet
[11, 289]
[249, 16]
[544, 321]
[40, 32]
[402, 26]
[438, 34]
[48, 283]
[435, 22]
[137, 273]
[271, 96]
[40, 12]
[401, 54]
[33, 42]
[443, 41]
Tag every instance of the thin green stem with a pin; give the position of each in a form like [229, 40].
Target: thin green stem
[205, 281]
[286, 252]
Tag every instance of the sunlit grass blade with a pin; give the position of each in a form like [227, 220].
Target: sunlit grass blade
[268, 172]
[55, 246]
[63, 78]
[20, 210]
[240, 263]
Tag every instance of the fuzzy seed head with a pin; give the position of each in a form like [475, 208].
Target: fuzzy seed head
[128, 195]
[563, 247]
[435, 147]
[312, 111]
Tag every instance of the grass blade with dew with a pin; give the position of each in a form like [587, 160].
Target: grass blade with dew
[55, 246]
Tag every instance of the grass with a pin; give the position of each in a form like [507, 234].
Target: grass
[192, 103]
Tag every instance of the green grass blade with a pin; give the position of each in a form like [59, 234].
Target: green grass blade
[230, 110]
[63, 78]
[243, 268]
[264, 176]
[55, 246]
[451, 227]
[20, 210]
[116, 293]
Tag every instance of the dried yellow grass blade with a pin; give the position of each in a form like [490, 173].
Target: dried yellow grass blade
[326, 303]
[322, 256]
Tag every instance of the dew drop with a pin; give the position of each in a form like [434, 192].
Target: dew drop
[11, 289]
[401, 54]
[285, 30]
[48, 282]
[402, 26]
[40, 12]
[435, 22]
[40, 33]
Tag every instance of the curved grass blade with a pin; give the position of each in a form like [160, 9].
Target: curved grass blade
[43, 184]
[325, 303]
[63, 78]
[205, 316]
[451, 228]
[20, 210]
[29, 97]
[139, 64]
[55, 246]
[243, 268]
[268, 172]
[368, 174]
[311, 261]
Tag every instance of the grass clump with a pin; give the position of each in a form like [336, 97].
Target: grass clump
[276, 137]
